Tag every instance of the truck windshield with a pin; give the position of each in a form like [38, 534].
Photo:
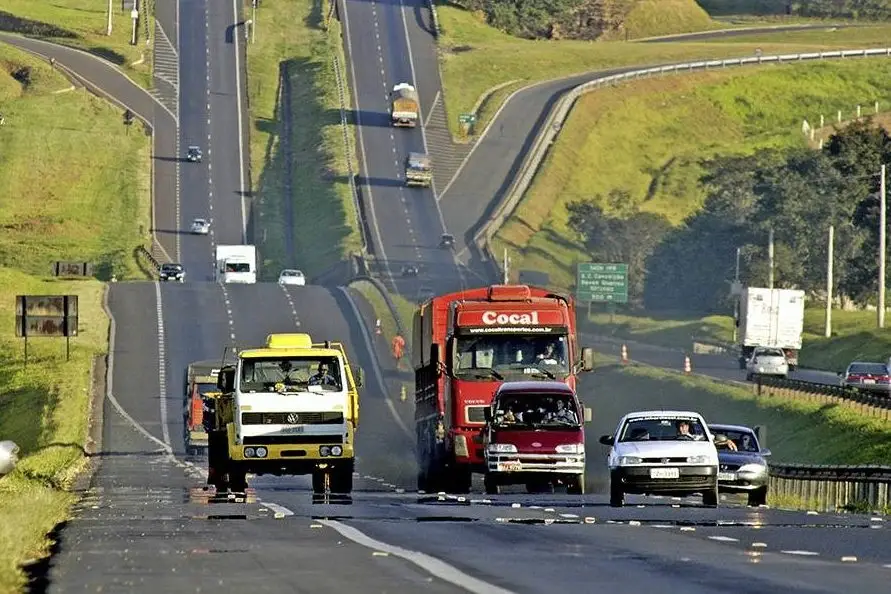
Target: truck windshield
[292, 374]
[485, 357]
[205, 388]
[541, 410]
[238, 267]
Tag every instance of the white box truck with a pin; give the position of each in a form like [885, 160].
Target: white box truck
[236, 264]
[770, 318]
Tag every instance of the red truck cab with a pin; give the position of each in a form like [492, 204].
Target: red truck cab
[535, 436]
[466, 345]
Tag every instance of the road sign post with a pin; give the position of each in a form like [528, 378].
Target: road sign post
[467, 121]
[602, 283]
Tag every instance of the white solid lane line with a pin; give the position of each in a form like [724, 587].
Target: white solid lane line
[724, 538]
[432, 565]
[802, 553]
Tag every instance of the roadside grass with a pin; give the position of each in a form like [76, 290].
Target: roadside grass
[73, 186]
[475, 57]
[85, 180]
[318, 206]
[404, 307]
[80, 25]
[798, 431]
[44, 408]
[854, 334]
[649, 138]
[651, 18]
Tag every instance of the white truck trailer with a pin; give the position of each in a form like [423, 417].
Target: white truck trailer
[236, 264]
[770, 318]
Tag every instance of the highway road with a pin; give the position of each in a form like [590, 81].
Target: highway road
[405, 223]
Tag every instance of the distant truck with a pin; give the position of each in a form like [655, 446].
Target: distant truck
[236, 264]
[770, 318]
[201, 382]
[535, 436]
[418, 171]
[405, 105]
[466, 344]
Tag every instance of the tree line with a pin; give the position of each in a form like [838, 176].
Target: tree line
[797, 193]
[852, 9]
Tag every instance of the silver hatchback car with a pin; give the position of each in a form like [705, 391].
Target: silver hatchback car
[767, 361]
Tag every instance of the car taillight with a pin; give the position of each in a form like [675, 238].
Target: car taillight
[883, 379]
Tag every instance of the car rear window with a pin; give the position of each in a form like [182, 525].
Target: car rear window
[870, 368]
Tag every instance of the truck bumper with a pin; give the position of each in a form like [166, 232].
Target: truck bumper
[291, 459]
[405, 123]
[514, 468]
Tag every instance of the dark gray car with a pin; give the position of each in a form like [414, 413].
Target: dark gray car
[172, 272]
[744, 470]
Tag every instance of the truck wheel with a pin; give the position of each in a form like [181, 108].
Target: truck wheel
[318, 481]
[758, 497]
[710, 497]
[237, 480]
[575, 485]
[492, 486]
[461, 481]
[616, 494]
[341, 480]
[749, 377]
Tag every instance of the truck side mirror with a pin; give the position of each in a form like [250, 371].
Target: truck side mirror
[226, 380]
[589, 414]
[487, 414]
[607, 440]
[587, 359]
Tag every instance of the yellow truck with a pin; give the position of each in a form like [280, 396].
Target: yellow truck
[418, 170]
[290, 407]
[405, 105]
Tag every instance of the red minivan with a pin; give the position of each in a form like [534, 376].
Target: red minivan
[535, 436]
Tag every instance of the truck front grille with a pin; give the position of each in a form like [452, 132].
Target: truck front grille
[291, 418]
[288, 439]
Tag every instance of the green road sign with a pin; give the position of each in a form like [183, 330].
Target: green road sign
[602, 283]
[467, 118]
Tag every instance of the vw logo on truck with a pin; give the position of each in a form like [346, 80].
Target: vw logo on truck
[492, 317]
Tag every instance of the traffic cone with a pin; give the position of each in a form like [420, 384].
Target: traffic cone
[687, 367]
[624, 355]
[377, 326]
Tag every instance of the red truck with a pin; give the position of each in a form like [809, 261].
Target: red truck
[466, 344]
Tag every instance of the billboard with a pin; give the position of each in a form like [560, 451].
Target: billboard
[45, 315]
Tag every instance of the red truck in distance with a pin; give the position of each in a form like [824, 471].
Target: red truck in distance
[466, 344]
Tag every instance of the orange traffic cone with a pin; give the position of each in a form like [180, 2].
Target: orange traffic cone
[624, 355]
[687, 367]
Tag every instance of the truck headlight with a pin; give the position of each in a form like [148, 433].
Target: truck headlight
[336, 450]
[324, 451]
[249, 452]
[502, 448]
[629, 460]
[261, 452]
[752, 468]
[571, 448]
[461, 446]
[701, 459]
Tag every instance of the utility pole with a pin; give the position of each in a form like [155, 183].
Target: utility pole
[770, 259]
[829, 259]
[736, 302]
[882, 208]
[108, 25]
[254, 20]
[506, 268]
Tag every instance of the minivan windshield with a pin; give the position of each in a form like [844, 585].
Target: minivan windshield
[547, 410]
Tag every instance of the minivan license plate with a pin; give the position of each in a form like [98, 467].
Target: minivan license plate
[509, 466]
[665, 473]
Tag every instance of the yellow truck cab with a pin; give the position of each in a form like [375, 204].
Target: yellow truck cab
[288, 408]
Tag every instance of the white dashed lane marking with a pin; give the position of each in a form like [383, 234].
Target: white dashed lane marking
[291, 303]
[724, 538]
[801, 553]
[229, 313]
[162, 365]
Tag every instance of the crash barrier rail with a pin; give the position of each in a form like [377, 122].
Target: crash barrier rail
[831, 488]
[435, 16]
[147, 255]
[347, 146]
[873, 405]
[561, 109]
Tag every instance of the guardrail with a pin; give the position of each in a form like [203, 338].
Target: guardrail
[832, 488]
[873, 405]
[561, 109]
[435, 16]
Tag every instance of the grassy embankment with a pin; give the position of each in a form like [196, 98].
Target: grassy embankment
[648, 137]
[404, 307]
[854, 334]
[475, 57]
[73, 186]
[292, 42]
[80, 25]
[797, 431]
